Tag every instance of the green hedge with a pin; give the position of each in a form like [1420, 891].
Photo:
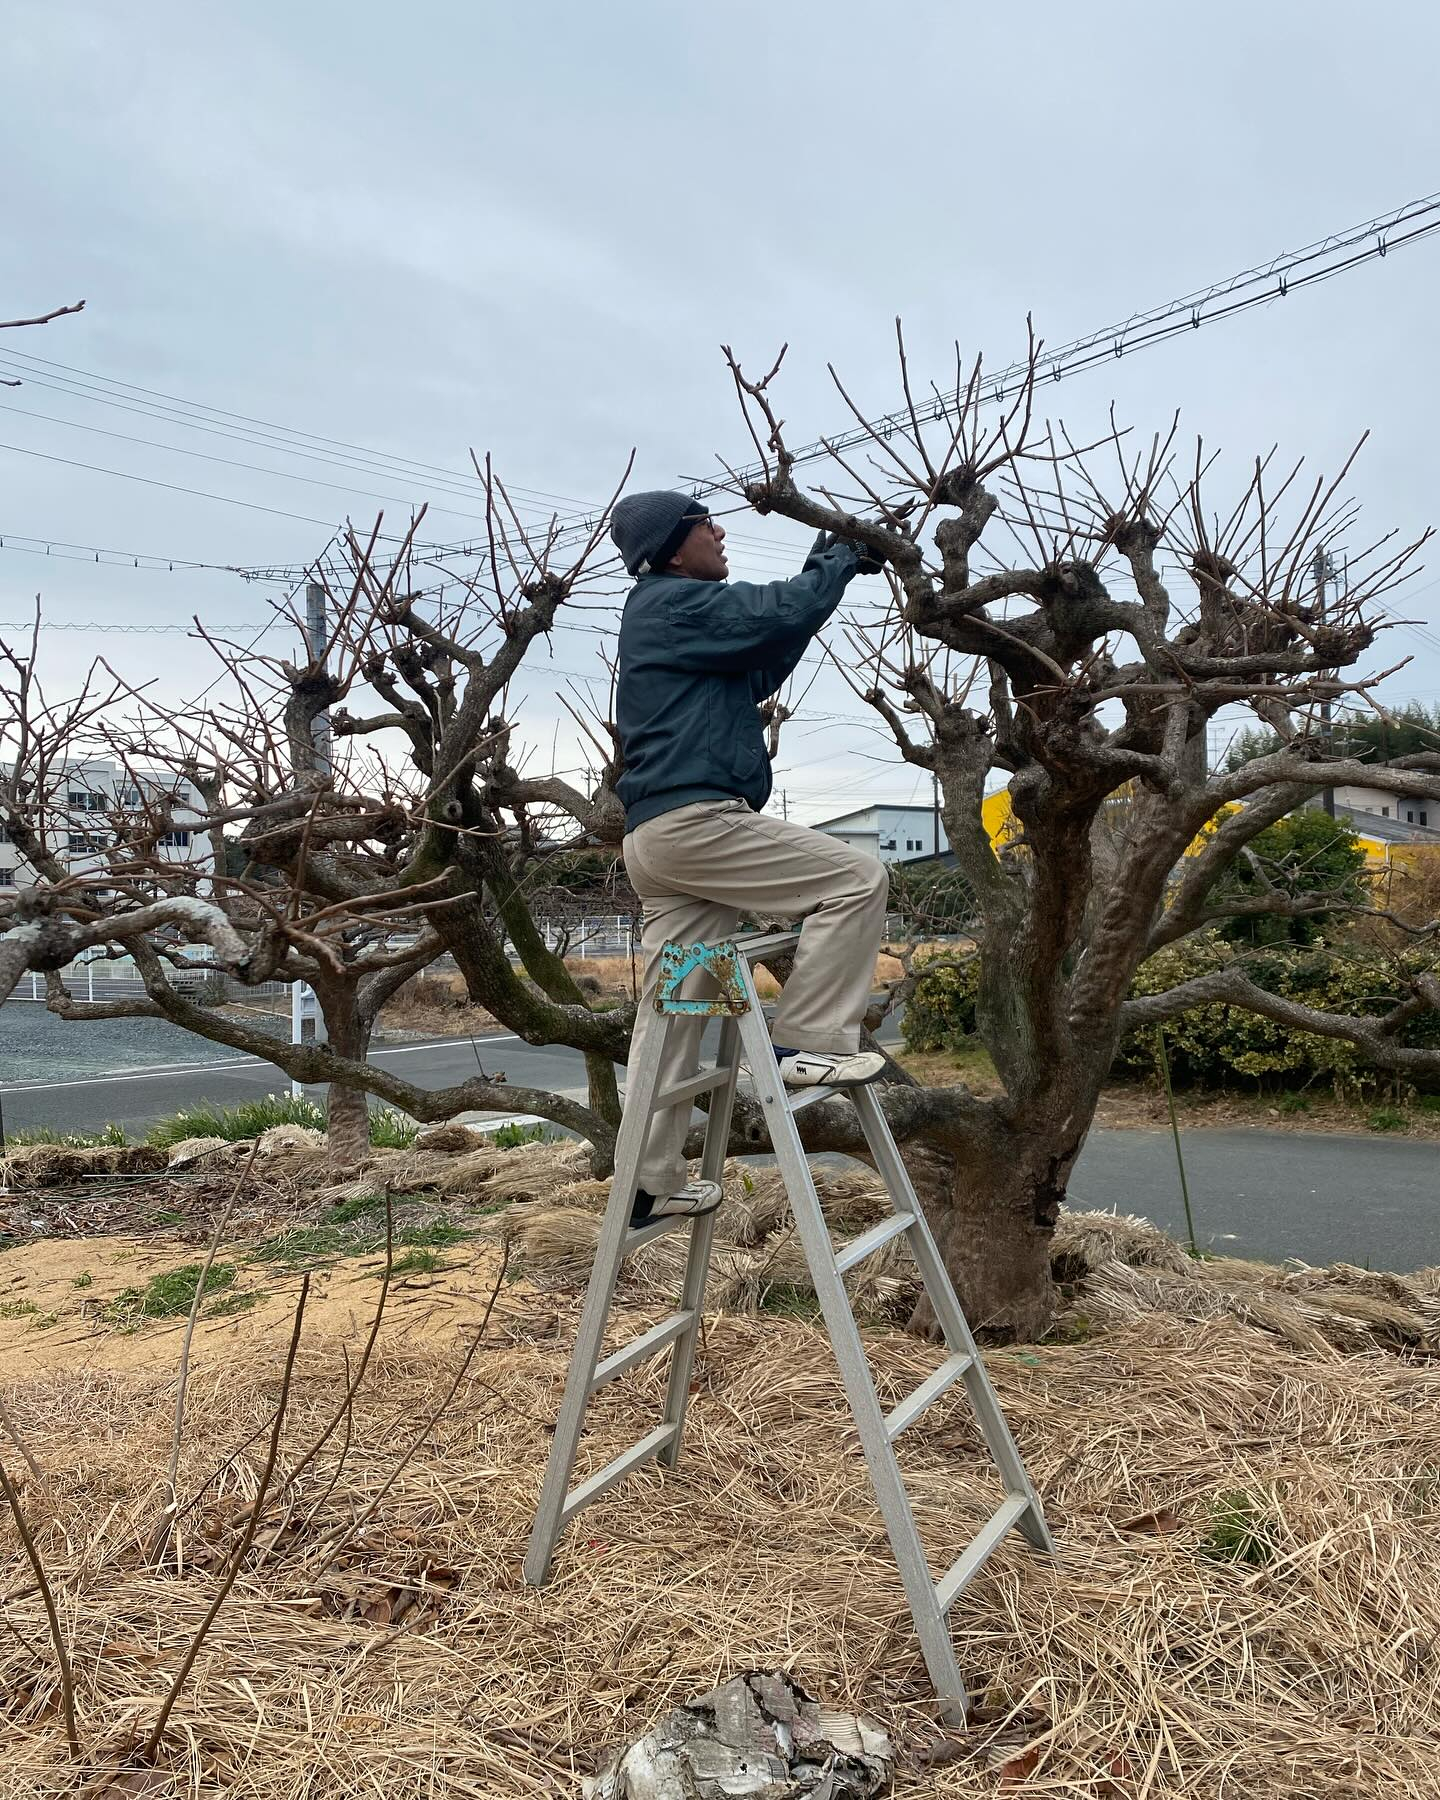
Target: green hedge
[1221, 1045]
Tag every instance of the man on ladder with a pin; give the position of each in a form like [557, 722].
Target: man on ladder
[698, 653]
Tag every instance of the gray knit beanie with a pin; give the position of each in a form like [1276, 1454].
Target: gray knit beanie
[649, 528]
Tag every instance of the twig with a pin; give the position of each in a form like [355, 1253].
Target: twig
[18, 1441]
[62, 1660]
[338, 1544]
[60, 312]
[152, 1743]
[353, 1384]
[160, 1537]
[1175, 1129]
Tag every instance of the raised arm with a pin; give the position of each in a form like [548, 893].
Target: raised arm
[760, 629]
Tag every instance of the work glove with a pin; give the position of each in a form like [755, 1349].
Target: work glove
[867, 562]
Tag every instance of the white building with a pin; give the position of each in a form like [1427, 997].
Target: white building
[88, 803]
[891, 833]
[1379, 803]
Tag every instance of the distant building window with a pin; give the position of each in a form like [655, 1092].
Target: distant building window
[83, 800]
[1409, 816]
[4, 834]
[1424, 818]
[131, 797]
[1384, 812]
[175, 840]
[889, 844]
[84, 842]
[7, 878]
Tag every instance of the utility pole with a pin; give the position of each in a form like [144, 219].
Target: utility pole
[303, 1003]
[785, 804]
[318, 628]
[1324, 570]
[935, 799]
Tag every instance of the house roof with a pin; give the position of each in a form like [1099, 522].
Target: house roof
[877, 806]
[1387, 831]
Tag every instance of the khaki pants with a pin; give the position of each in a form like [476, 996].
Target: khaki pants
[696, 869]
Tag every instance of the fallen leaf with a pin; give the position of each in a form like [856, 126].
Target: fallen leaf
[378, 1611]
[936, 1752]
[1162, 1521]
[125, 1784]
[1119, 1769]
[1021, 1766]
[123, 1647]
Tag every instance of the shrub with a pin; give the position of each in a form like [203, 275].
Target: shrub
[1240, 1530]
[433, 994]
[388, 1130]
[1216, 1045]
[940, 1014]
[107, 1137]
[510, 1137]
[1306, 852]
[233, 1123]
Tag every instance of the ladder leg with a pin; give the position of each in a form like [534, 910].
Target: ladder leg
[609, 1252]
[930, 1624]
[702, 1236]
[942, 1296]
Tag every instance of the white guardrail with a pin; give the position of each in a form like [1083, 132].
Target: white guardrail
[111, 978]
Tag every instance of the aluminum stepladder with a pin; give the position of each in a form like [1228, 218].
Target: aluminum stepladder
[744, 1030]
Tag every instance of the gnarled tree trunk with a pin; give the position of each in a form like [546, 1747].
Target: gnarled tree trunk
[992, 1210]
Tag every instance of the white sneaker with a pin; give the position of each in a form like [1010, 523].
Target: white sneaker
[824, 1068]
[690, 1202]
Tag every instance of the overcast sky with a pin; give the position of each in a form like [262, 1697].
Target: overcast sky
[527, 229]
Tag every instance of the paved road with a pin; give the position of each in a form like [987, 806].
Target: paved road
[1276, 1194]
[1254, 1193]
[164, 1069]
[135, 1095]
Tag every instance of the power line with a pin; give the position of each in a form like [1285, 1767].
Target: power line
[1257, 286]
[1252, 287]
[220, 422]
[170, 486]
[65, 551]
[229, 462]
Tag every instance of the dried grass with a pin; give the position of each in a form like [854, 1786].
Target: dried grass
[1120, 1269]
[56, 1165]
[1145, 1660]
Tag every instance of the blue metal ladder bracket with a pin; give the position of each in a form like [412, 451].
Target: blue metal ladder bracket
[719, 961]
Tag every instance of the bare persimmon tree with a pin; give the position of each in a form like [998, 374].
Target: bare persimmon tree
[1070, 618]
[350, 867]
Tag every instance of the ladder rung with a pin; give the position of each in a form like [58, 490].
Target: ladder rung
[766, 943]
[929, 1390]
[808, 1097]
[982, 1546]
[687, 1090]
[656, 1338]
[870, 1241]
[654, 1228]
[603, 1479]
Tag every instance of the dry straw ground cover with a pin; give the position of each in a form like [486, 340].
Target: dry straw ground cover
[1242, 1468]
